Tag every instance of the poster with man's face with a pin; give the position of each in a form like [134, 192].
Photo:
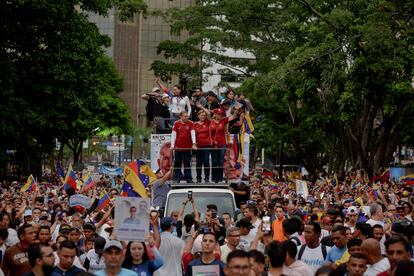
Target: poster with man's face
[160, 152]
[131, 218]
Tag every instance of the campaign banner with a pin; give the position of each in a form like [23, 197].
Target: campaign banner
[161, 157]
[80, 200]
[239, 167]
[132, 218]
[302, 188]
[206, 270]
[110, 171]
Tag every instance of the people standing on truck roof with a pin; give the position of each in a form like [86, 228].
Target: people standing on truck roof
[203, 140]
[182, 141]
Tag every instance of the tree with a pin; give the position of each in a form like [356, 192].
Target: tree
[333, 80]
[55, 80]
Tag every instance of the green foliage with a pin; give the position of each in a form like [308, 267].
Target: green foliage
[55, 79]
[333, 79]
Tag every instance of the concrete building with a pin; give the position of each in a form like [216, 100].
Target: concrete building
[134, 48]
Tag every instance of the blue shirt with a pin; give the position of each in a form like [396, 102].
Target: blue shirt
[199, 262]
[74, 270]
[148, 267]
[123, 272]
[335, 254]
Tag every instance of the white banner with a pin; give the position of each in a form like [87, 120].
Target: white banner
[302, 188]
[160, 152]
[131, 218]
[80, 200]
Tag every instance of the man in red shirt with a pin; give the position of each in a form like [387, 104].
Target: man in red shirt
[182, 140]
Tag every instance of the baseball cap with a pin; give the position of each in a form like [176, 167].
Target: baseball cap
[244, 222]
[27, 213]
[352, 210]
[164, 96]
[113, 243]
[167, 222]
[218, 111]
[155, 89]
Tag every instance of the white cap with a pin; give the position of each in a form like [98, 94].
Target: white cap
[27, 213]
[155, 89]
[113, 243]
[352, 210]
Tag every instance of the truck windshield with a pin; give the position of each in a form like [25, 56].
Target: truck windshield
[223, 201]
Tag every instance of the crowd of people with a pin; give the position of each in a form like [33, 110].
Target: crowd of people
[201, 125]
[349, 225]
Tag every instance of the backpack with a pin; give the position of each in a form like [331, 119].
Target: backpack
[296, 240]
[302, 249]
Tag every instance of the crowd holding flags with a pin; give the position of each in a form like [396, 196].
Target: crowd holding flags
[30, 185]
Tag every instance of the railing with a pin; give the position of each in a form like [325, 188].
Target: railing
[162, 125]
[213, 156]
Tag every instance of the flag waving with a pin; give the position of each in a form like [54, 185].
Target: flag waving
[103, 200]
[88, 183]
[70, 180]
[137, 178]
[30, 185]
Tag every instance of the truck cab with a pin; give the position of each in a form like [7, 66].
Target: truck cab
[203, 194]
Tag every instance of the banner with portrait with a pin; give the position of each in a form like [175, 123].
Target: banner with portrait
[160, 152]
[131, 218]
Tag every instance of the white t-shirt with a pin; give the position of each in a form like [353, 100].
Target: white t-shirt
[246, 241]
[12, 239]
[378, 267]
[324, 233]
[313, 257]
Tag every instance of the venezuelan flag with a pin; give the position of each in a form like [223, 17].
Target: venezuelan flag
[128, 191]
[103, 200]
[408, 179]
[88, 183]
[30, 185]
[71, 180]
[138, 176]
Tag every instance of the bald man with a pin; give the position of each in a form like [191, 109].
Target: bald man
[371, 248]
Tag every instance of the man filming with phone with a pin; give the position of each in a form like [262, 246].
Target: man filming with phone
[213, 222]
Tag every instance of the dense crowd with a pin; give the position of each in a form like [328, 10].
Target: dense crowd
[348, 225]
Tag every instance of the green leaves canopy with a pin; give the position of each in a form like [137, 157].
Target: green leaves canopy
[55, 79]
[333, 79]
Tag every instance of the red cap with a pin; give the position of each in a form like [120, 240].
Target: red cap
[218, 111]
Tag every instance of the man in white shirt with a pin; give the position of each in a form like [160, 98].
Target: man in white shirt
[171, 249]
[376, 262]
[313, 253]
[233, 240]
[251, 213]
[246, 236]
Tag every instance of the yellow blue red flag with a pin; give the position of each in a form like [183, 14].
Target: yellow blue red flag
[30, 185]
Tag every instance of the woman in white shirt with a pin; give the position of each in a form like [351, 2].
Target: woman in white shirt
[179, 102]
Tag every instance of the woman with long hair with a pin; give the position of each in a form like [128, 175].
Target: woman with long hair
[137, 259]
[180, 102]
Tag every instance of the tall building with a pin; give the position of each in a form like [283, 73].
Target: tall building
[134, 48]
